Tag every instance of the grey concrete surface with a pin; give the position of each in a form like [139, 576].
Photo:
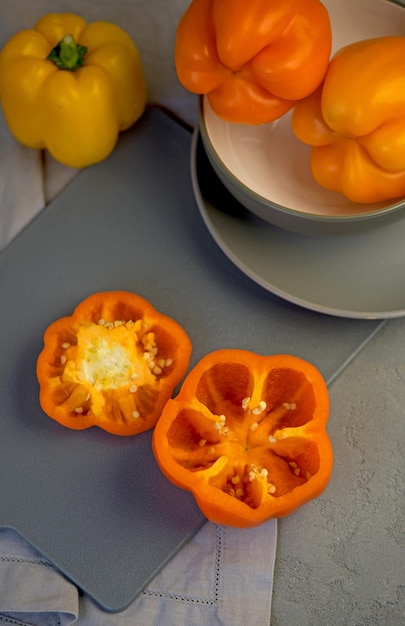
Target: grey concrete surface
[341, 559]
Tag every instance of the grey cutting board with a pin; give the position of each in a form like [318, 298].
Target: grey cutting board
[95, 504]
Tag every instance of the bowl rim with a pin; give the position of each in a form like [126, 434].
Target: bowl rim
[286, 211]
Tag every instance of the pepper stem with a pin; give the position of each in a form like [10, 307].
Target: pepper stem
[68, 54]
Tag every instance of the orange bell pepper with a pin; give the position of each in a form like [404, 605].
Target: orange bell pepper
[246, 435]
[113, 363]
[355, 122]
[253, 58]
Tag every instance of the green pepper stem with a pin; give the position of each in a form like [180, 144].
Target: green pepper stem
[68, 54]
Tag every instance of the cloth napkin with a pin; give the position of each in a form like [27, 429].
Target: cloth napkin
[223, 576]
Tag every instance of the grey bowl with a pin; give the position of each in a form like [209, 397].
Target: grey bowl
[236, 150]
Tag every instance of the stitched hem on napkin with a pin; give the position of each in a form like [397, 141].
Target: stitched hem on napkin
[32, 591]
[222, 577]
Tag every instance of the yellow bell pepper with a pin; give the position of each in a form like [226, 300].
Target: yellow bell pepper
[355, 121]
[70, 87]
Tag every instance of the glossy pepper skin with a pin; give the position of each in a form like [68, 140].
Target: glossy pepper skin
[75, 113]
[113, 363]
[355, 122]
[253, 58]
[246, 435]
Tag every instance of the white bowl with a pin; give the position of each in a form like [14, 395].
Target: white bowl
[267, 169]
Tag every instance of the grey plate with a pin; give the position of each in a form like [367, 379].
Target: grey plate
[95, 504]
[357, 276]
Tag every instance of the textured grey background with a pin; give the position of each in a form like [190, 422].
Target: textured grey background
[341, 560]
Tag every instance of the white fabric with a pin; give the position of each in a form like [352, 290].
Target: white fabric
[223, 576]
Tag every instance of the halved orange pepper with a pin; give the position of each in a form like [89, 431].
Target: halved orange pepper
[253, 58]
[246, 435]
[113, 363]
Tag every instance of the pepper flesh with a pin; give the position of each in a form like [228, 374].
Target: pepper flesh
[254, 59]
[355, 122]
[246, 435]
[76, 115]
[113, 363]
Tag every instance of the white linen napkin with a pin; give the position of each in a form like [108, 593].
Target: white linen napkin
[21, 185]
[222, 576]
